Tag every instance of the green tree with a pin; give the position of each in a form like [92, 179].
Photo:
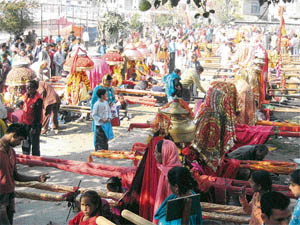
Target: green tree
[135, 22]
[164, 20]
[114, 25]
[16, 16]
[227, 10]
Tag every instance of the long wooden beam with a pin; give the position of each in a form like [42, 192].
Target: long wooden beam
[139, 92]
[103, 221]
[64, 188]
[227, 218]
[134, 218]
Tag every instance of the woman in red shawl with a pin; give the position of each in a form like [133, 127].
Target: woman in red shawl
[215, 131]
[167, 157]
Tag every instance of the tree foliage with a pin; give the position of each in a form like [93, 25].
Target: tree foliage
[227, 10]
[16, 16]
[113, 24]
[164, 20]
[135, 23]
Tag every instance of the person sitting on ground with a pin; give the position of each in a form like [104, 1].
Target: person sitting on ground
[167, 157]
[141, 85]
[189, 77]
[87, 102]
[15, 134]
[123, 106]
[182, 184]
[16, 115]
[249, 152]
[275, 209]
[114, 184]
[295, 189]
[261, 183]
[91, 206]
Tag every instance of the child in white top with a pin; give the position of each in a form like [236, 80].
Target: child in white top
[102, 117]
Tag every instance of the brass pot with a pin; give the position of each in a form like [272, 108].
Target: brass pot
[182, 128]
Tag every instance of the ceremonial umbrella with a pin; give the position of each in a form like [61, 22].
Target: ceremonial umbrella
[142, 48]
[82, 63]
[132, 53]
[113, 58]
[19, 75]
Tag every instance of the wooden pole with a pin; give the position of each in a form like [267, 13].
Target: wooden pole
[103, 221]
[226, 209]
[40, 196]
[134, 218]
[63, 189]
[227, 218]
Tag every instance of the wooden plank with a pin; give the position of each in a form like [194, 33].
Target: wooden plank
[139, 92]
[279, 109]
[134, 218]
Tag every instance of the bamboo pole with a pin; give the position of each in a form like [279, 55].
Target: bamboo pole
[64, 188]
[226, 209]
[40, 196]
[139, 92]
[227, 218]
[281, 95]
[134, 218]
[103, 221]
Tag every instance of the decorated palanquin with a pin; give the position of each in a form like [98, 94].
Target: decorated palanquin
[78, 83]
[16, 81]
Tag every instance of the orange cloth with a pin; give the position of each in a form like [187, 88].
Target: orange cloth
[170, 159]
[253, 208]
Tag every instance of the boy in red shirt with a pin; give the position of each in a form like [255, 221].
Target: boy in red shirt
[8, 171]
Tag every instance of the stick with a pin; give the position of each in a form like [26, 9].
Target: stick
[103, 221]
[227, 218]
[136, 219]
[63, 188]
[41, 196]
[226, 209]
[139, 92]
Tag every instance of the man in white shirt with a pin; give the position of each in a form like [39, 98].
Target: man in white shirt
[86, 39]
[58, 60]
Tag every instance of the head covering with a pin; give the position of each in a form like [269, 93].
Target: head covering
[170, 159]
[215, 131]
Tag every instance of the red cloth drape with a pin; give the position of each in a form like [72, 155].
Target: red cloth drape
[91, 169]
[149, 186]
[138, 125]
[251, 135]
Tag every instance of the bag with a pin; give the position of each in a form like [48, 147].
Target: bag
[115, 122]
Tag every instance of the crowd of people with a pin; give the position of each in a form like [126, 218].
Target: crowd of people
[177, 52]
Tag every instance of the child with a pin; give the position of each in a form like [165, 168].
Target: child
[102, 117]
[91, 206]
[114, 184]
[261, 183]
[295, 189]
[123, 106]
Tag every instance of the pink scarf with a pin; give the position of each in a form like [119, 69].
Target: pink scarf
[170, 159]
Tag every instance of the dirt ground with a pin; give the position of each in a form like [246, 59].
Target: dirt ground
[75, 142]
